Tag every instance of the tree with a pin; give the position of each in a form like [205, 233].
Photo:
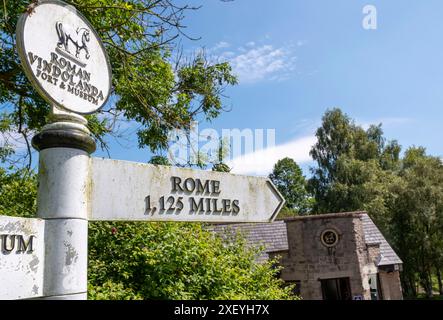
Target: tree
[355, 167]
[150, 87]
[418, 219]
[358, 170]
[288, 178]
[362, 185]
[222, 152]
[159, 92]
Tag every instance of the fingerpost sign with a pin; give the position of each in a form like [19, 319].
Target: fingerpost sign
[46, 257]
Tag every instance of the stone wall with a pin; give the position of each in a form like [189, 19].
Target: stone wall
[309, 260]
[368, 258]
[391, 285]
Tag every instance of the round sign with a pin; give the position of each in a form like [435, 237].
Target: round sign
[329, 237]
[63, 57]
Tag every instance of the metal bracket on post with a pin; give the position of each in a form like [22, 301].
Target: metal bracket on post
[65, 146]
[66, 129]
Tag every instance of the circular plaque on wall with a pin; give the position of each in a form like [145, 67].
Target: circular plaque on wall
[329, 237]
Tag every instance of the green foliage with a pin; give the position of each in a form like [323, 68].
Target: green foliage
[222, 152]
[130, 261]
[418, 216]
[137, 261]
[203, 81]
[18, 193]
[355, 167]
[175, 261]
[221, 167]
[159, 160]
[149, 87]
[110, 290]
[358, 170]
[288, 178]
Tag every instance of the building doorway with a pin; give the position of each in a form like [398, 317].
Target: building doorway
[375, 287]
[336, 289]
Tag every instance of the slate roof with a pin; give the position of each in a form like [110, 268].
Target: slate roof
[374, 236]
[273, 236]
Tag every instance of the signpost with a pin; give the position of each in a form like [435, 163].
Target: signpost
[46, 257]
[63, 57]
[145, 192]
[21, 257]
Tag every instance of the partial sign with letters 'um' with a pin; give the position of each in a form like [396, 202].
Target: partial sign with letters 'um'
[21, 257]
[63, 57]
[122, 190]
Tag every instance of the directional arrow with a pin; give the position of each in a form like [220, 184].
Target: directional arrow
[122, 190]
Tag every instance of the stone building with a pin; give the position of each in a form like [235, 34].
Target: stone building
[331, 256]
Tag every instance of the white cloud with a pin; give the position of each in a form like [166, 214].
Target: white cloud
[221, 45]
[262, 161]
[305, 126]
[252, 62]
[263, 62]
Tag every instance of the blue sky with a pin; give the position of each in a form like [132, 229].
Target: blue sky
[297, 58]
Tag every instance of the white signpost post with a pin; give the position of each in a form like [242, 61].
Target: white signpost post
[46, 257]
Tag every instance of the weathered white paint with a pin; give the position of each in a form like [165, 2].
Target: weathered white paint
[63, 203]
[21, 274]
[63, 183]
[119, 190]
[66, 257]
[38, 39]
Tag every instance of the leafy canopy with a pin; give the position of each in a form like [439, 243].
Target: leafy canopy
[418, 218]
[288, 178]
[158, 92]
[354, 166]
[150, 86]
[358, 169]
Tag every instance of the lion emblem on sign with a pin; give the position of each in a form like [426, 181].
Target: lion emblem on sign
[78, 37]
